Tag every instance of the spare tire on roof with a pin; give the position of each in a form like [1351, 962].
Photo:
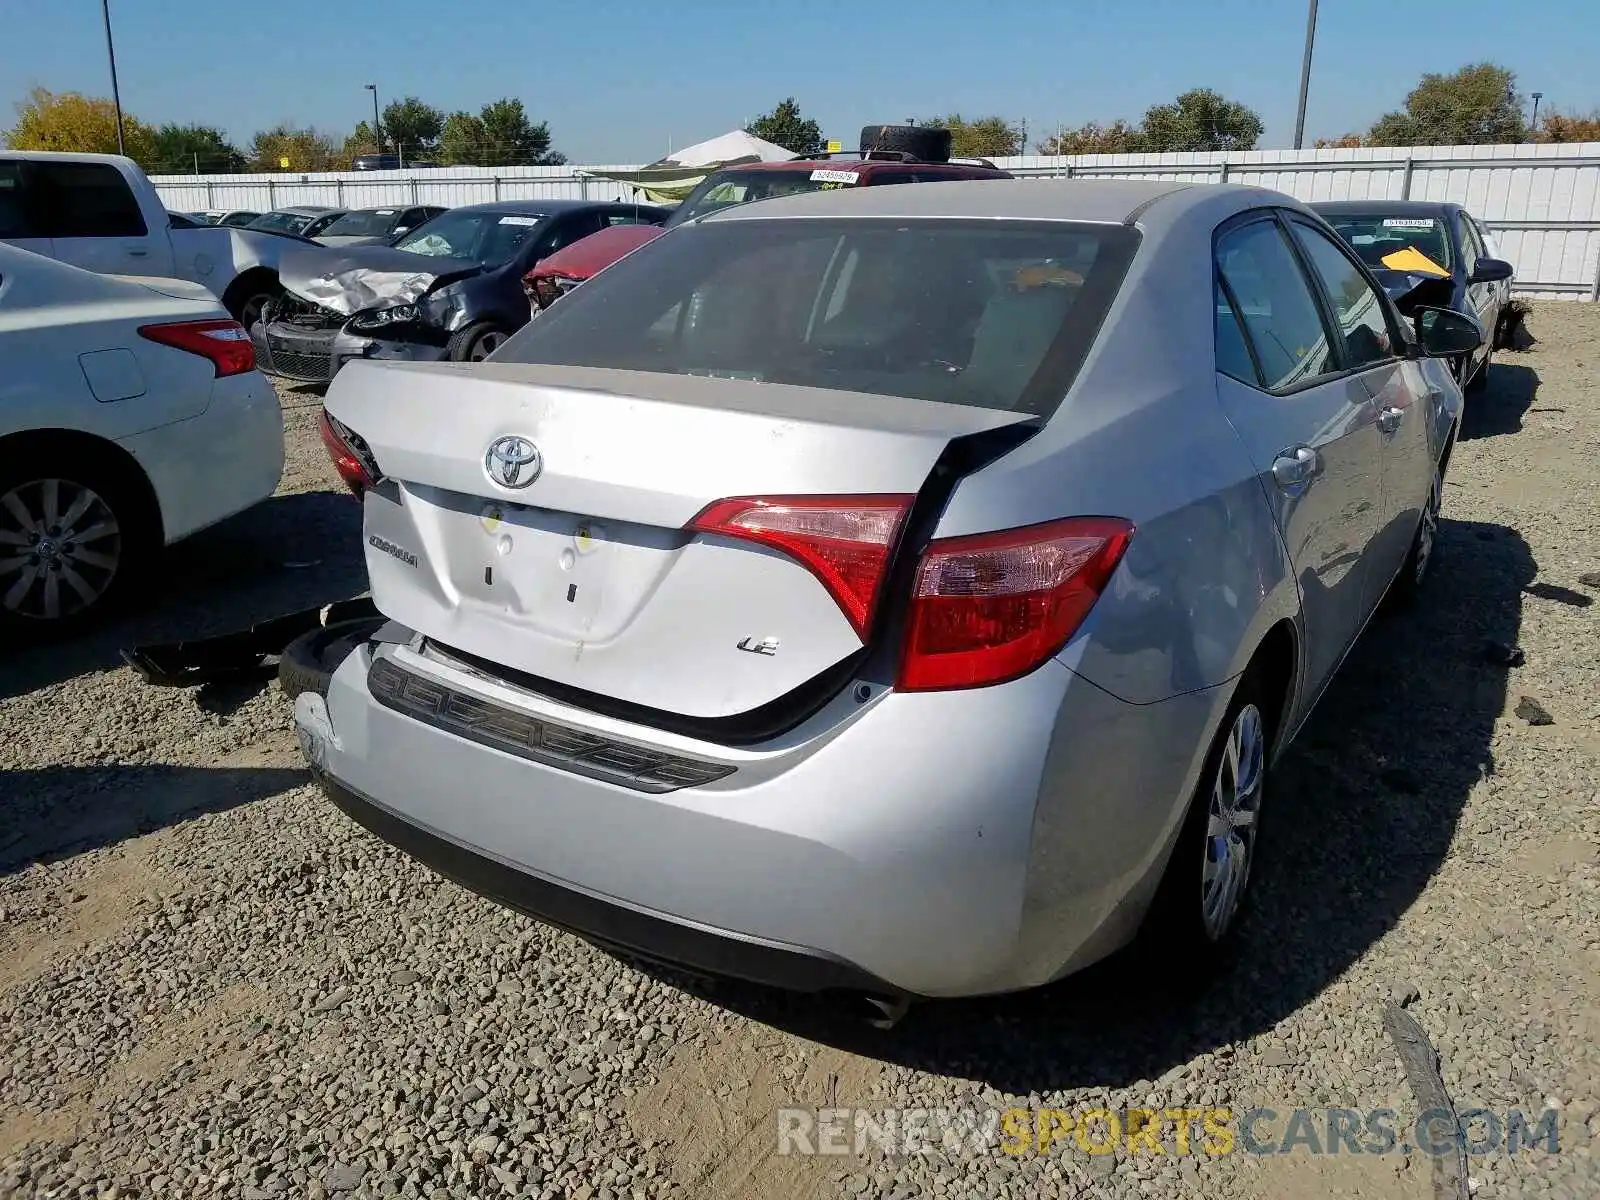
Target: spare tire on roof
[926, 142]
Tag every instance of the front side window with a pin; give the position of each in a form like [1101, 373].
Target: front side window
[89, 200]
[1357, 307]
[1276, 305]
[990, 314]
[1471, 246]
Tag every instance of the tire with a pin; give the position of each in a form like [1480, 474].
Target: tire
[1480, 381]
[248, 297]
[1407, 587]
[106, 539]
[476, 342]
[1191, 923]
[308, 663]
[922, 142]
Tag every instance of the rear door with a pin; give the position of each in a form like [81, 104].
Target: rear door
[1308, 423]
[20, 222]
[1373, 350]
[1483, 298]
[96, 222]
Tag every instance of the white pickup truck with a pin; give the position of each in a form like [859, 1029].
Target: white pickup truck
[100, 212]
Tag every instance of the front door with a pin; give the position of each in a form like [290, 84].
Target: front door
[1309, 425]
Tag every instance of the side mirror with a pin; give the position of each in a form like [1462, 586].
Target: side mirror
[1445, 333]
[1491, 270]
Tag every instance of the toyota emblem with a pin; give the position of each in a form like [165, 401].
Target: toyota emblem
[513, 462]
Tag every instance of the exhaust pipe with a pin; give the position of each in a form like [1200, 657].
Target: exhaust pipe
[880, 1012]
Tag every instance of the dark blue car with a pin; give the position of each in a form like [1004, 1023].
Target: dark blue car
[1445, 257]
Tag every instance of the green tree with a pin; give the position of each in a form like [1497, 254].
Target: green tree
[361, 141]
[185, 149]
[1477, 105]
[1119, 137]
[462, 140]
[512, 139]
[80, 124]
[300, 149]
[412, 127]
[1200, 120]
[784, 126]
[984, 137]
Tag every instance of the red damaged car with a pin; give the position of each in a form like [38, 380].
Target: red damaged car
[888, 154]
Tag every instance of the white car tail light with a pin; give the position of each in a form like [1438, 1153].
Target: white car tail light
[224, 342]
[845, 541]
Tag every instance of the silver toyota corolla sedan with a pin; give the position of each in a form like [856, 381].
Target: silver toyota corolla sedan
[905, 591]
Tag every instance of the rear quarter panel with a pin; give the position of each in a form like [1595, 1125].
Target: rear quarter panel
[1142, 436]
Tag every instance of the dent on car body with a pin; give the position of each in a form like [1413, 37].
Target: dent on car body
[348, 281]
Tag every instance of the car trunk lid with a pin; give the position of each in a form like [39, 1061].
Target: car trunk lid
[588, 576]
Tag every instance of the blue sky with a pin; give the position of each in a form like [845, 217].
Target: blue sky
[622, 80]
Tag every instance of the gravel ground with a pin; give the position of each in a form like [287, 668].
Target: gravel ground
[212, 984]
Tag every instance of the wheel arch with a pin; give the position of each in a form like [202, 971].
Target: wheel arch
[47, 444]
[1276, 664]
[245, 282]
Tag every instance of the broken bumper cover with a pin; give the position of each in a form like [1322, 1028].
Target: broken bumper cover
[310, 355]
[241, 654]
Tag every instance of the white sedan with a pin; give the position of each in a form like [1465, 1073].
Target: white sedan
[131, 415]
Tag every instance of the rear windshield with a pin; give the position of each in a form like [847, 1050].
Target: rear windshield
[994, 315]
[281, 222]
[362, 224]
[1376, 237]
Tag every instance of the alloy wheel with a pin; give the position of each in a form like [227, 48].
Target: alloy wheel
[60, 547]
[486, 345]
[1231, 822]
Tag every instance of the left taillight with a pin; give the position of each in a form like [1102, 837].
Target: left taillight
[845, 541]
[224, 342]
[352, 457]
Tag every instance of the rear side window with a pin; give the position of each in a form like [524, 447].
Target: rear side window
[990, 314]
[88, 200]
[1357, 307]
[1275, 304]
[1233, 352]
[15, 218]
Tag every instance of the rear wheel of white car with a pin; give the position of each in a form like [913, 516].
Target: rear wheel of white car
[1204, 893]
[476, 342]
[73, 538]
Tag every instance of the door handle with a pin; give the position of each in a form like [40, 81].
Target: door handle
[1389, 418]
[1292, 470]
[135, 252]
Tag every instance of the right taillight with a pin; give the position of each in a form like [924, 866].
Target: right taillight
[351, 456]
[994, 606]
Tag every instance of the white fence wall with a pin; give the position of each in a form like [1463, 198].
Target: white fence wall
[1541, 201]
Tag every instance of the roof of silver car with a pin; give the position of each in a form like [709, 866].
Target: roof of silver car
[1106, 200]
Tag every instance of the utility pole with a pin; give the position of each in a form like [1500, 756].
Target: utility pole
[377, 130]
[1305, 77]
[1533, 125]
[111, 54]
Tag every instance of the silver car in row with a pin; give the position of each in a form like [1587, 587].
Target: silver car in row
[905, 591]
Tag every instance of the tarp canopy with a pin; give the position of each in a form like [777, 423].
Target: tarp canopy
[674, 177]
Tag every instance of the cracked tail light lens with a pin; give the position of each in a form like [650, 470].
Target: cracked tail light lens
[351, 456]
[993, 607]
